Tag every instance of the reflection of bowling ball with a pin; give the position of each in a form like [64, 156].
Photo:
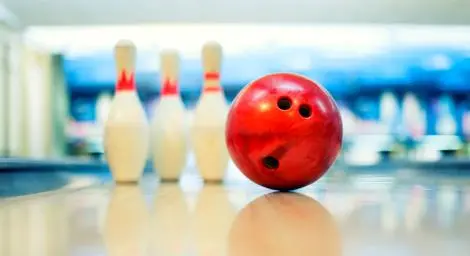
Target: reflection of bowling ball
[284, 131]
[284, 224]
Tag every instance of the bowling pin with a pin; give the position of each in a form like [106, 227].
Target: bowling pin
[466, 123]
[208, 129]
[413, 115]
[349, 120]
[102, 107]
[126, 133]
[466, 129]
[446, 123]
[388, 111]
[169, 123]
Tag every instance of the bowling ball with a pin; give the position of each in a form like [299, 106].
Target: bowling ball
[283, 131]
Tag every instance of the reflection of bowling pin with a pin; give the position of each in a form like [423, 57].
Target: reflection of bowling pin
[170, 221]
[208, 131]
[21, 231]
[447, 204]
[4, 231]
[388, 214]
[125, 230]
[466, 199]
[213, 215]
[415, 209]
[36, 227]
[58, 221]
[284, 224]
[126, 130]
[169, 122]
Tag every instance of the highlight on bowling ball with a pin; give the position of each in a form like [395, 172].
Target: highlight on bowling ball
[284, 131]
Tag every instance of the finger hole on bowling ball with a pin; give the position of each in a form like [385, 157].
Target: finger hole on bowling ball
[305, 111]
[284, 103]
[270, 162]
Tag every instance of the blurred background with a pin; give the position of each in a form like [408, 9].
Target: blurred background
[399, 71]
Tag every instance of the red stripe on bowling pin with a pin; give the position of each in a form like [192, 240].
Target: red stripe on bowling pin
[126, 81]
[212, 89]
[212, 76]
[211, 61]
[169, 87]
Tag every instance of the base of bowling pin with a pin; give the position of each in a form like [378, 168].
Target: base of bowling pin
[169, 180]
[126, 182]
[213, 181]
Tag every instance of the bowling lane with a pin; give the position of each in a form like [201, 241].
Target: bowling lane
[32, 182]
[400, 213]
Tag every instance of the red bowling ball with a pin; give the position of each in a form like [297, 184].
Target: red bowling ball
[284, 131]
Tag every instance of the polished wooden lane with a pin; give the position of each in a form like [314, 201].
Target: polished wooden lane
[371, 214]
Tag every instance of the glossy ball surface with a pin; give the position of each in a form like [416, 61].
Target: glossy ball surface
[283, 131]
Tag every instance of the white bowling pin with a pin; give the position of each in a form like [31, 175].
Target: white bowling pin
[102, 107]
[466, 123]
[208, 129]
[349, 120]
[413, 115]
[388, 111]
[446, 124]
[169, 129]
[126, 135]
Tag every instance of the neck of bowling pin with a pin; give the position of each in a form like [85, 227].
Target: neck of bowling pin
[212, 82]
[169, 87]
[125, 81]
